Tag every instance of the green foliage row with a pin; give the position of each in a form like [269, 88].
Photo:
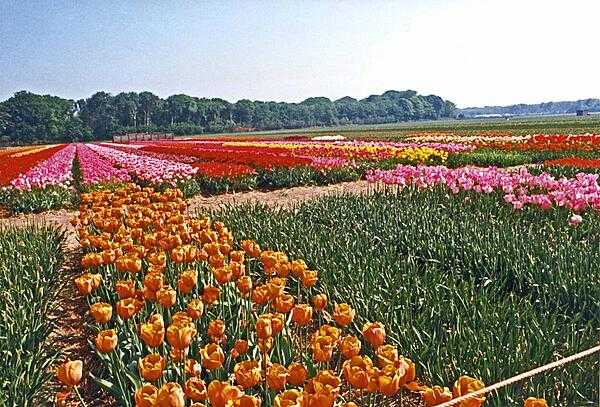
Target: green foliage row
[36, 200]
[30, 283]
[275, 178]
[29, 118]
[486, 157]
[464, 284]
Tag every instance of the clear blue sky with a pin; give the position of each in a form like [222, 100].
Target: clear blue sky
[473, 52]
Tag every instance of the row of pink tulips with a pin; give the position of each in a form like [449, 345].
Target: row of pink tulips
[328, 162]
[145, 168]
[519, 188]
[96, 169]
[56, 170]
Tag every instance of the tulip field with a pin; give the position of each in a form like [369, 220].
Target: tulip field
[471, 259]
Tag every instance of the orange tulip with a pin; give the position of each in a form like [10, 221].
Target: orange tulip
[148, 294]
[388, 380]
[297, 374]
[465, 385]
[319, 302]
[223, 275]
[190, 252]
[283, 303]
[265, 345]
[350, 346]
[289, 398]
[276, 286]
[193, 368]
[158, 258]
[170, 395]
[181, 318]
[240, 347]
[405, 368]
[132, 264]
[195, 389]
[187, 281]
[260, 295]
[87, 283]
[328, 330]
[277, 377]
[237, 270]
[217, 261]
[216, 329]
[264, 327]
[219, 393]
[247, 373]
[195, 308]
[387, 355]
[211, 295]
[101, 311]
[106, 341]
[321, 390]
[237, 256]
[374, 333]
[309, 278]
[177, 355]
[343, 314]
[302, 314]
[533, 402]
[151, 367]
[356, 371]
[153, 332]
[298, 267]
[154, 281]
[125, 289]
[251, 248]
[212, 249]
[91, 260]
[212, 356]
[166, 296]
[108, 256]
[436, 395]
[180, 336]
[245, 401]
[277, 323]
[145, 396]
[244, 285]
[178, 255]
[128, 307]
[322, 348]
[70, 372]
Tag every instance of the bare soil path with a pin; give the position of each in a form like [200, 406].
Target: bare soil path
[276, 198]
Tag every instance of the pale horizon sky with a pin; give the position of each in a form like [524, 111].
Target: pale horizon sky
[472, 52]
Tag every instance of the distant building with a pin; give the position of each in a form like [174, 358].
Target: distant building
[127, 137]
[581, 112]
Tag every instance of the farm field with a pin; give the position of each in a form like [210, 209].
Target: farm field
[470, 257]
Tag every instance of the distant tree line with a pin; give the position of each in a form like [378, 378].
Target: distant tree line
[547, 108]
[30, 118]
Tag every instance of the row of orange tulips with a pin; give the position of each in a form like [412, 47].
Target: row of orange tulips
[201, 318]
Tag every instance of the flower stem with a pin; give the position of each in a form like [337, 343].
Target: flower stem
[79, 396]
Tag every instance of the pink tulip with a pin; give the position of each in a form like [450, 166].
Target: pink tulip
[575, 220]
